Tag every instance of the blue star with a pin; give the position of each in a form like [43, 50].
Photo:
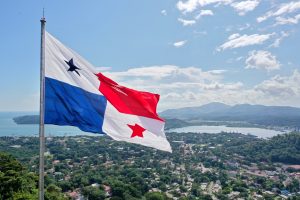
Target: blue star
[72, 68]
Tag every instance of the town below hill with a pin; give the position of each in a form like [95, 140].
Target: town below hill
[202, 166]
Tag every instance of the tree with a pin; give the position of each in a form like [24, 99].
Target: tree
[155, 196]
[93, 193]
[15, 181]
[24, 196]
[196, 190]
[53, 192]
[65, 185]
[293, 186]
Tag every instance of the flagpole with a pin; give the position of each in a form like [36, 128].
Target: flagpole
[42, 107]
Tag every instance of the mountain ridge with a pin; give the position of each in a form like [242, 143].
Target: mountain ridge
[255, 114]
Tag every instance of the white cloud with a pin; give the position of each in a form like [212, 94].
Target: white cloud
[172, 95]
[243, 7]
[180, 43]
[221, 86]
[238, 27]
[282, 88]
[262, 60]
[278, 40]
[208, 2]
[290, 20]
[191, 86]
[217, 71]
[154, 72]
[204, 13]
[170, 71]
[244, 40]
[281, 10]
[188, 6]
[246, 26]
[164, 12]
[233, 36]
[191, 5]
[178, 86]
[186, 22]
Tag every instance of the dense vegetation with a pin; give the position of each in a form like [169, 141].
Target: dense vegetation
[17, 183]
[282, 148]
[199, 163]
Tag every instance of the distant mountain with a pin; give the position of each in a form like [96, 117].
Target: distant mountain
[194, 112]
[255, 114]
[218, 112]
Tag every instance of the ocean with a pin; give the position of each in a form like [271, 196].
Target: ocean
[9, 128]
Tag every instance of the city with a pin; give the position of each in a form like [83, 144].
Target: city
[202, 166]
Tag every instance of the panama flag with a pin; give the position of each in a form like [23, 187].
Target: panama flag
[77, 95]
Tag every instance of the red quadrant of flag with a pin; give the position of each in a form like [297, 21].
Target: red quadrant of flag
[127, 100]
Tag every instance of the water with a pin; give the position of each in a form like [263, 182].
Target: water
[9, 128]
[259, 132]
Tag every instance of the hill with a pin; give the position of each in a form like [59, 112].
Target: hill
[255, 114]
[27, 119]
[194, 112]
[282, 148]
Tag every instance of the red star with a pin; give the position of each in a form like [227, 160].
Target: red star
[137, 130]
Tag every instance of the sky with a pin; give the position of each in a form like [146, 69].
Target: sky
[191, 52]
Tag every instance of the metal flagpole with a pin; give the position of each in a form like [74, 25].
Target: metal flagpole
[42, 107]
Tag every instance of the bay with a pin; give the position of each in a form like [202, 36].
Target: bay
[258, 132]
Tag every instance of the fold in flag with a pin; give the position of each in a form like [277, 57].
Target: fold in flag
[77, 95]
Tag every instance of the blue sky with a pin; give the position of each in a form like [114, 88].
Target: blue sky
[191, 52]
